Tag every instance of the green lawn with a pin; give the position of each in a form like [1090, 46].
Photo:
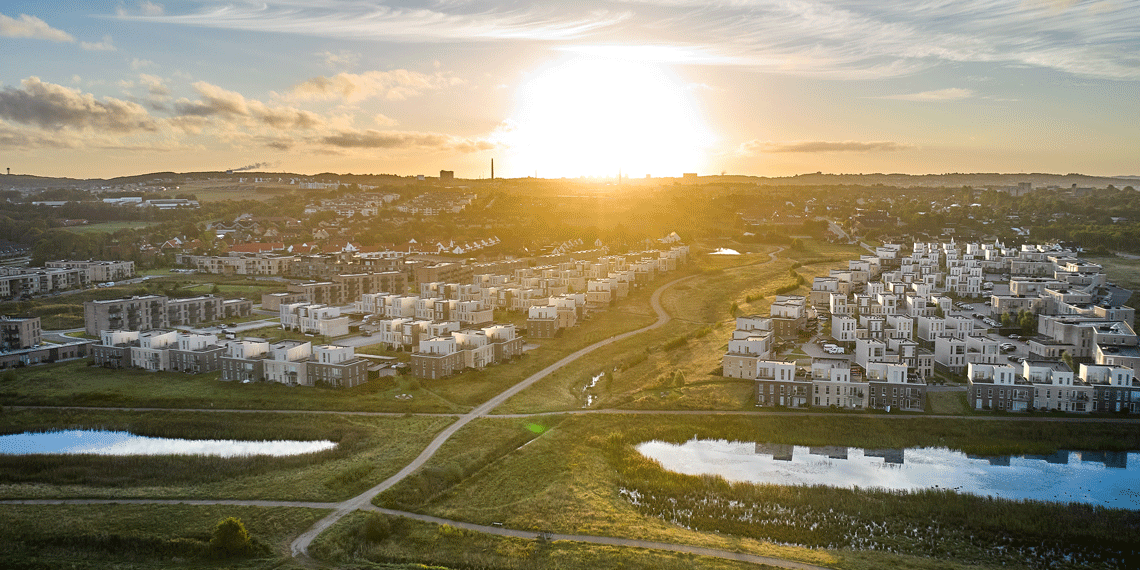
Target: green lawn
[947, 403]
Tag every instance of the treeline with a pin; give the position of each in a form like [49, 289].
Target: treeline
[1094, 237]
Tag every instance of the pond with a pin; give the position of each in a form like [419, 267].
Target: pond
[1110, 479]
[95, 442]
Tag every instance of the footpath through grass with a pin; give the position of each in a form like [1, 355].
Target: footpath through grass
[583, 476]
[355, 542]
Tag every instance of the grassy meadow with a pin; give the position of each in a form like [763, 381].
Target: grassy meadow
[369, 449]
[141, 537]
[350, 544]
[578, 474]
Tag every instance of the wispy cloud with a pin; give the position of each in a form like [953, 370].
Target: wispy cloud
[754, 147]
[143, 8]
[137, 64]
[106, 45]
[397, 84]
[372, 139]
[340, 59]
[31, 27]
[868, 38]
[938, 96]
[365, 20]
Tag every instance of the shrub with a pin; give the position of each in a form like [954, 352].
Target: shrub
[376, 528]
[230, 538]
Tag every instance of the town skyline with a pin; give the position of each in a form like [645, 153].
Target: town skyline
[655, 87]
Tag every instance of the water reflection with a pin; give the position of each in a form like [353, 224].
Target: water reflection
[1100, 478]
[725, 251]
[125, 443]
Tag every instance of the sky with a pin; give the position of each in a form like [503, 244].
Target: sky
[565, 89]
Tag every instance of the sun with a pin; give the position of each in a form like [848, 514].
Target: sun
[594, 115]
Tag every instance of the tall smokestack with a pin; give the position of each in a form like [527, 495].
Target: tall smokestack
[492, 169]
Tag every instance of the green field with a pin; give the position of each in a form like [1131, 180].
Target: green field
[76, 384]
[110, 227]
[369, 449]
[1124, 271]
[140, 537]
[570, 479]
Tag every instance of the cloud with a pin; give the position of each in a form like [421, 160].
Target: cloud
[137, 64]
[23, 139]
[155, 85]
[254, 166]
[51, 106]
[939, 96]
[367, 20]
[105, 45]
[754, 147]
[340, 59]
[372, 139]
[867, 39]
[218, 102]
[145, 8]
[31, 27]
[397, 84]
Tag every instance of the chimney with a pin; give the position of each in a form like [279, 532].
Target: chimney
[492, 169]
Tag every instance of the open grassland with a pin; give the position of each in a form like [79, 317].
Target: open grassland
[1124, 271]
[476, 446]
[369, 449]
[141, 537]
[577, 477]
[76, 384]
[678, 366]
[207, 191]
[353, 542]
[110, 227]
[471, 388]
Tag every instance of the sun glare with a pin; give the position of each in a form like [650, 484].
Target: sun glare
[592, 115]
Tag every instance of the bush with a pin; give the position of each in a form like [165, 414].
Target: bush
[230, 538]
[376, 528]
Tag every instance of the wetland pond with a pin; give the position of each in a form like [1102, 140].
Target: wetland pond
[1104, 478]
[95, 442]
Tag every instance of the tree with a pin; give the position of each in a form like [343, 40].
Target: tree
[1068, 360]
[1028, 322]
[230, 538]
[1006, 320]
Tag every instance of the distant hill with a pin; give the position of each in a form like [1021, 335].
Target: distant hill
[952, 180]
